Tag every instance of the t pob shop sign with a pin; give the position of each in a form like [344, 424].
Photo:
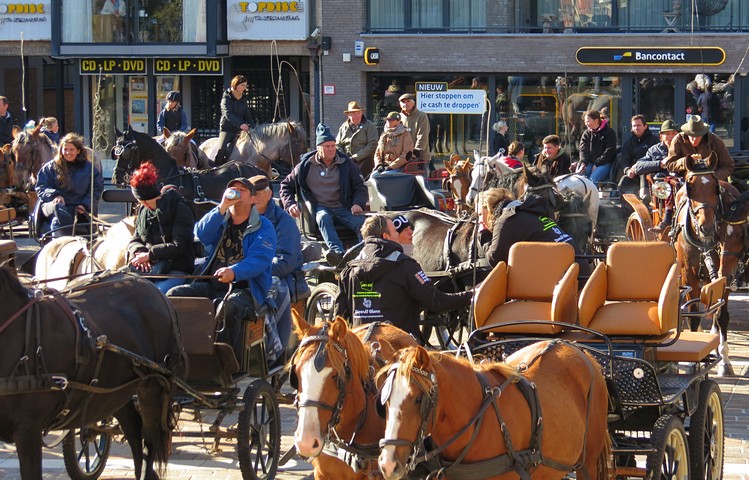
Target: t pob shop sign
[258, 20]
[647, 56]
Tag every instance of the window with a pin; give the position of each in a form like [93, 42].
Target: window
[427, 15]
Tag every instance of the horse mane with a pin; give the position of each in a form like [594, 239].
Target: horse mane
[266, 131]
[24, 138]
[357, 354]
[10, 284]
[408, 364]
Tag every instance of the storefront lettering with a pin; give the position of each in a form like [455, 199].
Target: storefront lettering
[462, 101]
[259, 7]
[21, 8]
[194, 66]
[113, 65]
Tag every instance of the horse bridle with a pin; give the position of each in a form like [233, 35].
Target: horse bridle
[131, 147]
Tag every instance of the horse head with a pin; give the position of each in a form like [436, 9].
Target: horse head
[409, 394]
[538, 181]
[459, 181]
[281, 141]
[574, 218]
[31, 149]
[7, 168]
[702, 198]
[126, 156]
[329, 363]
[179, 146]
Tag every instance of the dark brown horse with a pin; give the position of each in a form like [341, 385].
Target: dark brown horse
[58, 370]
[710, 237]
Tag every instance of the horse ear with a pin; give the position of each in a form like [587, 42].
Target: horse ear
[712, 161]
[117, 132]
[689, 163]
[301, 327]
[526, 171]
[421, 358]
[191, 134]
[338, 329]
[36, 130]
[166, 132]
[587, 197]
[130, 128]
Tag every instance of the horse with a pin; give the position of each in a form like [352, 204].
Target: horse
[31, 149]
[283, 141]
[180, 147]
[458, 182]
[332, 371]
[710, 232]
[133, 147]
[57, 375]
[64, 258]
[547, 404]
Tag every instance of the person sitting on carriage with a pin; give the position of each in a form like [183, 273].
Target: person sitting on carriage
[384, 284]
[333, 184]
[654, 162]
[557, 161]
[597, 148]
[163, 239]
[172, 116]
[503, 221]
[696, 141]
[64, 185]
[395, 147]
[288, 277]
[240, 246]
[515, 153]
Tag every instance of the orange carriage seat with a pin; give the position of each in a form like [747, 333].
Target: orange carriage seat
[539, 282]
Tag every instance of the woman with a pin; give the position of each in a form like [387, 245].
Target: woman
[51, 128]
[163, 239]
[236, 117]
[597, 147]
[515, 153]
[64, 185]
[173, 116]
[395, 147]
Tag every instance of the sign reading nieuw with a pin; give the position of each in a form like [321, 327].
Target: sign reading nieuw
[671, 56]
[435, 97]
[192, 66]
[122, 66]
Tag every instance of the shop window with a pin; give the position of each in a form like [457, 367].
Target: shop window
[427, 15]
[133, 21]
[711, 96]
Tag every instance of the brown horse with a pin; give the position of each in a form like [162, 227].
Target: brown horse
[31, 149]
[459, 182]
[710, 237]
[181, 148]
[546, 430]
[60, 371]
[333, 372]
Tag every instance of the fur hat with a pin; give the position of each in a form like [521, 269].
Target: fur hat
[695, 127]
[323, 134]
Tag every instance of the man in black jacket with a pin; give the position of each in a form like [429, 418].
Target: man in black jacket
[384, 284]
[6, 122]
[636, 146]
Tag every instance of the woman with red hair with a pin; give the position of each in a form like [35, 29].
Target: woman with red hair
[163, 239]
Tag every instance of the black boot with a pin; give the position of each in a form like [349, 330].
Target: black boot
[666, 222]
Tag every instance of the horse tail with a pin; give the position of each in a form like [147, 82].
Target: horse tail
[154, 399]
[604, 464]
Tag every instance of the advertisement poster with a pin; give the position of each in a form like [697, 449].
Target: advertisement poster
[267, 20]
[164, 85]
[138, 100]
[32, 19]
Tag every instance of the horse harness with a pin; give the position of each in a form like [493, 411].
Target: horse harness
[522, 462]
[24, 381]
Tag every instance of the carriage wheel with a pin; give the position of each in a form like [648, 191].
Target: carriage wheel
[448, 328]
[706, 436]
[85, 452]
[54, 438]
[636, 231]
[320, 304]
[670, 460]
[259, 434]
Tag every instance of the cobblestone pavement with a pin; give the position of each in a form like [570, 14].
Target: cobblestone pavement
[192, 458]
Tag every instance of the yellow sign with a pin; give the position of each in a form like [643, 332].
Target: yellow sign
[372, 56]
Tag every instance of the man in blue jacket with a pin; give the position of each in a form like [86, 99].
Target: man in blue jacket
[333, 184]
[240, 246]
[287, 263]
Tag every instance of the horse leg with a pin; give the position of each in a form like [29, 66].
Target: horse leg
[153, 400]
[29, 448]
[724, 367]
[132, 427]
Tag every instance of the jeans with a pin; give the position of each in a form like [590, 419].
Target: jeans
[600, 174]
[168, 283]
[327, 218]
[60, 216]
[283, 311]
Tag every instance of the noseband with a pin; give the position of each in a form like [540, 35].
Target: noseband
[127, 152]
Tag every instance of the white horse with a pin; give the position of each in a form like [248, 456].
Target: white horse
[65, 257]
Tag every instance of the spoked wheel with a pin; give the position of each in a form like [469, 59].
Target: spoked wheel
[54, 438]
[706, 435]
[637, 230]
[259, 434]
[320, 303]
[85, 452]
[448, 328]
[670, 461]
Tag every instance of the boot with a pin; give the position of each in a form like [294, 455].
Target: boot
[667, 219]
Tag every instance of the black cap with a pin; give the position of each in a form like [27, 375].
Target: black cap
[244, 182]
[173, 96]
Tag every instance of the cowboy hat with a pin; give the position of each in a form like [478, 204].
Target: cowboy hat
[668, 126]
[353, 107]
[695, 127]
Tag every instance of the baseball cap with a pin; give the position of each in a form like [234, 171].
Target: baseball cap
[260, 182]
[244, 182]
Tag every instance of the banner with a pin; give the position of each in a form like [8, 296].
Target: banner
[267, 20]
[33, 20]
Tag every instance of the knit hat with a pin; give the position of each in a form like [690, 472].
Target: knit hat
[401, 223]
[146, 191]
[323, 134]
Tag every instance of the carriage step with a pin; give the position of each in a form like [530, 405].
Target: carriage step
[636, 472]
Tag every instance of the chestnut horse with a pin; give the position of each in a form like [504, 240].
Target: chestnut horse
[710, 235]
[31, 149]
[550, 399]
[459, 182]
[332, 371]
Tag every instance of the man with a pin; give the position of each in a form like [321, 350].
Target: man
[654, 162]
[708, 105]
[383, 284]
[6, 122]
[556, 160]
[597, 147]
[333, 184]
[696, 141]
[357, 137]
[240, 245]
[287, 262]
[637, 145]
[418, 122]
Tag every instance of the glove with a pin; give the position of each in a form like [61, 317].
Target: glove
[381, 168]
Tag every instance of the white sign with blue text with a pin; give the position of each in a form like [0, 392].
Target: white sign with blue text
[464, 101]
